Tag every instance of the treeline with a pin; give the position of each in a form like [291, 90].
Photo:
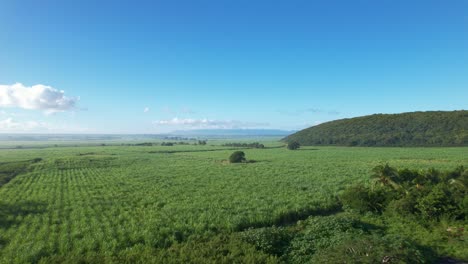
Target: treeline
[149, 144]
[436, 128]
[176, 138]
[245, 145]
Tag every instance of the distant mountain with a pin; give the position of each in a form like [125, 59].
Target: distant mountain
[233, 132]
[434, 128]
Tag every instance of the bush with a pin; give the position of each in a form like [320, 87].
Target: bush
[464, 207]
[272, 240]
[363, 199]
[321, 232]
[237, 157]
[407, 175]
[374, 249]
[293, 145]
[437, 203]
[36, 160]
[429, 194]
[404, 206]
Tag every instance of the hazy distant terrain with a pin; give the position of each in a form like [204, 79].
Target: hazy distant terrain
[230, 133]
[214, 136]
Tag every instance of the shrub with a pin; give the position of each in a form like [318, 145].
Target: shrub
[407, 175]
[464, 177]
[437, 203]
[321, 232]
[374, 249]
[363, 199]
[237, 157]
[464, 207]
[272, 240]
[404, 206]
[218, 249]
[293, 145]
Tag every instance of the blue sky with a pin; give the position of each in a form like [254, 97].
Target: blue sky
[225, 64]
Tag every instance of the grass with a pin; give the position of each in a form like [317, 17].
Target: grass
[102, 203]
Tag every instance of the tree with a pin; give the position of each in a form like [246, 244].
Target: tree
[201, 142]
[237, 157]
[293, 145]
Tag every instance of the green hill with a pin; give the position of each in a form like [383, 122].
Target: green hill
[434, 128]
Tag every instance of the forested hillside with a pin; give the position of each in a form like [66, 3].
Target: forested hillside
[435, 128]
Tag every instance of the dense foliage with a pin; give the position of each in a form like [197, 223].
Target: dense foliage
[435, 128]
[429, 195]
[237, 157]
[293, 145]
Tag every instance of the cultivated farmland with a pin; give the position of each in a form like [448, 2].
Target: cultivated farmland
[170, 203]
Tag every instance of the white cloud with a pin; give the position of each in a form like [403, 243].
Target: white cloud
[36, 97]
[208, 123]
[11, 125]
[146, 110]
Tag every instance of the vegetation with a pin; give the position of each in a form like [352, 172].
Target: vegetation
[164, 143]
[245, 145]
[121, 204]
[144, 144]
[8, 170]
[410, 201]
[293, 145]
[436, 128]
[237, 157]
[429, 195]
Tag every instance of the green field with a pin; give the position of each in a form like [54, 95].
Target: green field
[139, 203]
